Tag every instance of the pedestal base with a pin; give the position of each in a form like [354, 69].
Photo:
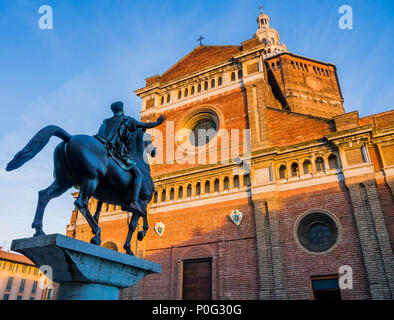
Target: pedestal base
[86, 291]
[84, 271]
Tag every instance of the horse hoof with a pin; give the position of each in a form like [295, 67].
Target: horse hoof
[39, 234]
[141, 236]
[128, 251]
[96, 241]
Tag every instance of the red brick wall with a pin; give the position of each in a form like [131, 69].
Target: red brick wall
[299, 265]
[202, 233]
[299, 128]
[231, 107]
[200, 58]
[293, 78]
[387, 202]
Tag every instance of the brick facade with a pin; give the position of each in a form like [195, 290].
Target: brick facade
[304, 155]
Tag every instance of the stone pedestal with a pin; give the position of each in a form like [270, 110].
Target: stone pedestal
[84, 271]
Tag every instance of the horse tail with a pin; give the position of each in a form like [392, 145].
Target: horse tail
[35, 145]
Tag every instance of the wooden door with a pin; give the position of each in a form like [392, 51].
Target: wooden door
[197, 279]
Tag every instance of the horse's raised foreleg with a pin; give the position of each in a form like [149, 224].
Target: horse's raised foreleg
[55, 190]
[87, 189]
[98, 210]
[132, 227]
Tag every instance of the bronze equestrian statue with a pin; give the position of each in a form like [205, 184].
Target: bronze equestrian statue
[111, 167]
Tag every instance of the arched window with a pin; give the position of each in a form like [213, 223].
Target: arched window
[333, 161]
[232, 76]
[189, 191]
[186, 92]
[111, 246]
[192, 90]
[206, 85]
[163, 195]
[307, 167]
[247, 182]
[199, 88]
[240, 74]
[155, 197]
[207, 188]
[236, 182]
[282, 172]
[220, 81]
[172, 194]
[213, 83]
[180, 193]
[295, 170]
[198, 189]
[216, 186]
[320, 164]
[226, 183]
[168, 98]
[179, 94]
[162, 100]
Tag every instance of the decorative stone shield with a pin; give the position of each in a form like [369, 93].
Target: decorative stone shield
[236, 217]
[159, 228]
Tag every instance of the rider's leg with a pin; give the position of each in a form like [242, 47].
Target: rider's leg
[135, 192]
[136, 188]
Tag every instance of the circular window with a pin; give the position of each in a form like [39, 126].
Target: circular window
[203, 125]
[317, 232]
[203, 131]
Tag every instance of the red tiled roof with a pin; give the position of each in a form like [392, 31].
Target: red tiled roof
[13, 257]
[200, 58]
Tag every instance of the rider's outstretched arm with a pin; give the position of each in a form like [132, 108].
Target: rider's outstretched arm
[149, 125]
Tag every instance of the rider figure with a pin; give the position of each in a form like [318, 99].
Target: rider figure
[112, 134]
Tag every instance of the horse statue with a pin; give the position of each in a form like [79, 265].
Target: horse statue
[83, 161]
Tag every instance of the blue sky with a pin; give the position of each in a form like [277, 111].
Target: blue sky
[101, 51]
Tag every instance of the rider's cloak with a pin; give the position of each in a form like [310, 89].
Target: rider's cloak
[113, 131]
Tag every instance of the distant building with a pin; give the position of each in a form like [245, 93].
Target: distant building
[20, 279]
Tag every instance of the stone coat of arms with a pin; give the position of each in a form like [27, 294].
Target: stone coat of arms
[236, 217]
[159, 228]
